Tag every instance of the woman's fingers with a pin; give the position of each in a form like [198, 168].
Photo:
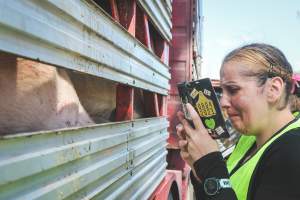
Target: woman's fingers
[187, 127]
[180, 132]
[195, 142]
[185, 155]
[182, 144]
[195, 117]
[180, 114]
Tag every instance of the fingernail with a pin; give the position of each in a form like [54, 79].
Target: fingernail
[179, 126]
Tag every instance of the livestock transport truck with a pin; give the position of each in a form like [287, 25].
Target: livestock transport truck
[141, 49]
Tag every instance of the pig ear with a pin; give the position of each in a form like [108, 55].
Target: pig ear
[195, 117]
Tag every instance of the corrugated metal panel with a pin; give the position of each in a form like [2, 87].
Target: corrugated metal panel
[169, 6]
[110, 161]
[79, 35]
[159, 12]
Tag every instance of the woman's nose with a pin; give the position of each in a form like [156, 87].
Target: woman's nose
[224, 101]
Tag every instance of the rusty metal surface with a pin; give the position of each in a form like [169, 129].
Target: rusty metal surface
[79, 35]
[108, 161]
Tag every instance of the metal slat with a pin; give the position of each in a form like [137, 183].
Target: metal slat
[64, 180]
[160, 15]
[142, 153]
[106, 161]
[62, 188]
[154, 166]
[145, 164]
[19, 144]
[169, 6]
[79, 36]
[147, 186]
[99, 186]
[49, 158]
[148, 150]
[130, 188]
[90, 153]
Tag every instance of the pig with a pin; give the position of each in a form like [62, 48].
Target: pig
[36, 96]
[97, 95]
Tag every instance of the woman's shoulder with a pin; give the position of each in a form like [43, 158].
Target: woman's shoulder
[286, 146]
[291, 136]
[277, 172]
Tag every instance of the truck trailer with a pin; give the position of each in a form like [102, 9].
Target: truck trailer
[135, 52]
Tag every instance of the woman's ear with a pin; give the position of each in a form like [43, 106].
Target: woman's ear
[276, 88]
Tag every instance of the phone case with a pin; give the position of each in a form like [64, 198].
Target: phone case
[201, 95]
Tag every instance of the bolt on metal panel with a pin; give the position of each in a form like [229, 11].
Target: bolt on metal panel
[149, 160]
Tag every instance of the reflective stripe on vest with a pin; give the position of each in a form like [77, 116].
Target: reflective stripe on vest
[243, 145]
[241, 178]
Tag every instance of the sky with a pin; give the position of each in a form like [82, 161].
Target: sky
[229, 24]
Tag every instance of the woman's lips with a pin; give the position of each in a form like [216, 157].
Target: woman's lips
[232, 116]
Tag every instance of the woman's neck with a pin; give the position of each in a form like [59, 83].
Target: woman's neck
[276, 122]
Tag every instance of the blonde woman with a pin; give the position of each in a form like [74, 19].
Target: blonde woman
[257, 82]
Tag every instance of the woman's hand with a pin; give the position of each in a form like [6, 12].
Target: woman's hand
[183, 144]
[184, 148]
[195, 142]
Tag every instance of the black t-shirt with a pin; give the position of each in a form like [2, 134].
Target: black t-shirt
[276, 176]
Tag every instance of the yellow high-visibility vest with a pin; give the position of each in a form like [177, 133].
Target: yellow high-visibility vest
[240, 179]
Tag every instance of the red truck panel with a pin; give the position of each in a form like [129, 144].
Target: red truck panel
[181, 55]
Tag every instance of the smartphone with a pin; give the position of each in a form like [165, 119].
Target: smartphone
[201, 95]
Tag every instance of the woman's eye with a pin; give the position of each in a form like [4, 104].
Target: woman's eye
[232, 90]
